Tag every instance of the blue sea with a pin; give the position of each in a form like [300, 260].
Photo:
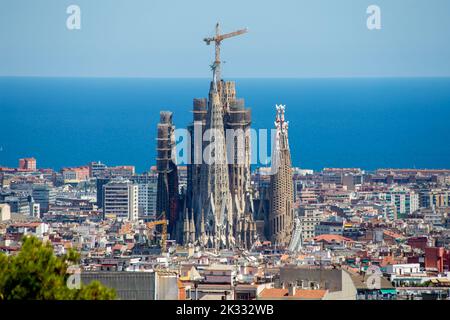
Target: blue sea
[367, 123]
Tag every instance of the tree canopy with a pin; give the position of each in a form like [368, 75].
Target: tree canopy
[36, 273]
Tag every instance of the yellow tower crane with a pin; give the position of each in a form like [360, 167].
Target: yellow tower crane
[217, 39]
[164, 224]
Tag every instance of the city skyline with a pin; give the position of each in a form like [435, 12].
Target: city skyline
[115, 186]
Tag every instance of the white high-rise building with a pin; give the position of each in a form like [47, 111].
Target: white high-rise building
[405, 201]
[147, 194]
[120, 199]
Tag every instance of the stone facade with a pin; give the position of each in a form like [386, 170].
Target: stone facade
[281, 212]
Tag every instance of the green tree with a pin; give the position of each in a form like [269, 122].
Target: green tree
[35, 273]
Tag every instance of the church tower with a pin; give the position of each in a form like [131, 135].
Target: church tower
[215, 194]
[219, 186]
[167, 200]
[281, 211]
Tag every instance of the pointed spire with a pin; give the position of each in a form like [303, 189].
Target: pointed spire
[202, 238]
[202, 222]
[186, 225]
[281, 186]
[192, 229]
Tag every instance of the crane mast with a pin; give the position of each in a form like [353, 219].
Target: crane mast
[217, 39]
[164, 222]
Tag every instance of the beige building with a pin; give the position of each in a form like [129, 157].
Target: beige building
[5, 212]
[309, 217]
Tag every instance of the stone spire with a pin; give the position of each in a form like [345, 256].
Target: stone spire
[238, 121]
[186, 227]
[281, 212]
[203, 239]
[167, 199]
[219, 186]
[192, 230]
[215, 190]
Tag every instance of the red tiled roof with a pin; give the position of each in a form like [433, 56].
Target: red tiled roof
[284, 257]
[117, 247]
[26, 224]
[392, 234]
[300, 293]
[331, 238]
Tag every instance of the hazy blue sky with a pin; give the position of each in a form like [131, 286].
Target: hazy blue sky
[163, 38]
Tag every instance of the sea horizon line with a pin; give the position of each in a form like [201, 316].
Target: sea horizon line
[209, 78]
